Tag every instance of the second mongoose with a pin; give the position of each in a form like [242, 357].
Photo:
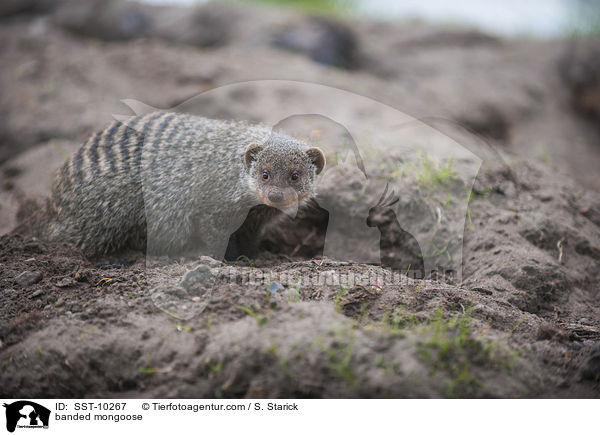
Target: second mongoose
[172, 183]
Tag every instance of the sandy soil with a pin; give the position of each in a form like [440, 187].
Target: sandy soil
[510, 206]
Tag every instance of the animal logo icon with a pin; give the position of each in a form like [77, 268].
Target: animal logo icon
[25, 413]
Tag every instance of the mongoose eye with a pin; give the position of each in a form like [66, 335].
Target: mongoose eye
[265, 175]
[295, 176]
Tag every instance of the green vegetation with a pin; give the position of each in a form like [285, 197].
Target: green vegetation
[449, 346]
[470, 192]
[260, 320]
[216, 368]
[86, 332]
[250, 262]
[444, 202]
[181, 327]
[104, 281]
[149, 366]
[469, 217]
[315, 6]
[283, 359]
[388, 165]
[338, 297]
[397, 321]
[388, 368]
[169, 312]
[436, 252]
[430, 173]
[521, 320]
[295, 295]
[340, 356]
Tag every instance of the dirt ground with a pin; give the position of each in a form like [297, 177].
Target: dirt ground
[481, 140]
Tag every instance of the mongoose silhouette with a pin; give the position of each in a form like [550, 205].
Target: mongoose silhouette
[398, 249]
[171, 183]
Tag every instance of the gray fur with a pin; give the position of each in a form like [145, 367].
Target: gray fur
[173, 182]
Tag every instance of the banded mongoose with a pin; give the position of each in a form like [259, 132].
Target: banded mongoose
[174, 182]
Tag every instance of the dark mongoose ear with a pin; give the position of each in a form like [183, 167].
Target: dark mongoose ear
[317, 157]
[252, 151]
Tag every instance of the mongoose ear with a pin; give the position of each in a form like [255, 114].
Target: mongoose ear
[317, 157]
[252, 151]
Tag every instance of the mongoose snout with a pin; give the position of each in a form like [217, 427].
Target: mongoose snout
[276, 196]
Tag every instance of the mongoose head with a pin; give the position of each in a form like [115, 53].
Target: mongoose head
[282, 170]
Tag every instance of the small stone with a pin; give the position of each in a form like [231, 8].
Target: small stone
[210, 261]
[65, 282]
[588, 342]
[584, 321]
[37, 293]
[28, 278]
[194, 277]
[274, 287]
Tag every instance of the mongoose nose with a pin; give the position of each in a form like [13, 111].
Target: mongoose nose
[275, 196]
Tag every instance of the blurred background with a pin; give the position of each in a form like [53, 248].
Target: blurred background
[525, 76]
[539, 18]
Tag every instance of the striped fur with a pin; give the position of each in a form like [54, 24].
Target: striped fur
[166, 182]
